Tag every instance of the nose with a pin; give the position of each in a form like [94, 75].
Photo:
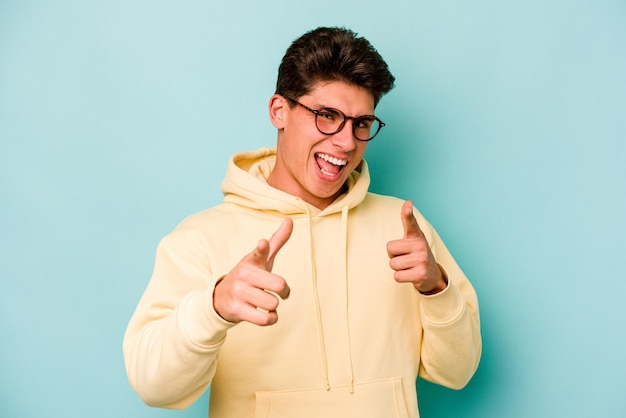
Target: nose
[345, 139]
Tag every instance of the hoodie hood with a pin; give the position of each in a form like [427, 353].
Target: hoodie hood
[246, 185]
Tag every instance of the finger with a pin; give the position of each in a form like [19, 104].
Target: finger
[404, 246]
[280, 237]
[405, 262]
[263, 300]
[259, 316]
[279, 286]
[409, 276]
[259, 307]
[409, 223]
[265, 280]
[260, 254]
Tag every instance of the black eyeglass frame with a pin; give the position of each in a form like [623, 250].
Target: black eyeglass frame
[354, 119]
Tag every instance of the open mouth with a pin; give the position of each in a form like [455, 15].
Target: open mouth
[329, 165]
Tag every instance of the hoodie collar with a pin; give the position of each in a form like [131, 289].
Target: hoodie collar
[246, 185]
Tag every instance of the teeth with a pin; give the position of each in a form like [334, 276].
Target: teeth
[332, 160]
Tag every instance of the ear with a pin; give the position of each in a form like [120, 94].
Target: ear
[279, 109]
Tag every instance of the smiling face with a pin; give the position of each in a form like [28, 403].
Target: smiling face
[310, 164]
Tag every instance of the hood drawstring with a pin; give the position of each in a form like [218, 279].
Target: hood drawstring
[317, 305]
[344, 238]
[318, 310]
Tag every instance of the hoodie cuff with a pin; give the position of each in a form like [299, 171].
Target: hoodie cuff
[203, 326]
[444, 307]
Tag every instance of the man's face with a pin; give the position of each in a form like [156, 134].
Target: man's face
[310, 164]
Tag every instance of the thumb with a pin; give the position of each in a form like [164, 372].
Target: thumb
[409, 223]
[278, 239]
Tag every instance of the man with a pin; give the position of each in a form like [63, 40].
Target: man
[368, 295]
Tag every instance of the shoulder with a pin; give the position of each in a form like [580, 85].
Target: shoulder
[226, 223]
[380, 201]
[203, 218]
[198, 226]
[378, 206]
[383, 203]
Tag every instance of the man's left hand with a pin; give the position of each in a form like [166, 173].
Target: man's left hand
[412, 259]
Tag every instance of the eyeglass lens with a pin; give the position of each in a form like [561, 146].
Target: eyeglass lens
[331, 121]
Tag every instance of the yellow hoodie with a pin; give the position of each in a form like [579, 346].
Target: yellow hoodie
[350, 341]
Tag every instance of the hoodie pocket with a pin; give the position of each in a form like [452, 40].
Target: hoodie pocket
[379, 399]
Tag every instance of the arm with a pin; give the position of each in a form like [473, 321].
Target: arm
[451, 342]
[172, 342]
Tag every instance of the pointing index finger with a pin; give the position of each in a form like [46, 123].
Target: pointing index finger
[409, 223]
[278, 239]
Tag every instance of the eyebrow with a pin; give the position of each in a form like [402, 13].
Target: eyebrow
[320, 107]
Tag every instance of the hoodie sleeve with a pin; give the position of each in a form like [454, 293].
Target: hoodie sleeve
[173, 339]
[452, 344]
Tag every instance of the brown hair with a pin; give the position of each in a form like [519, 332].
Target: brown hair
[332, 54]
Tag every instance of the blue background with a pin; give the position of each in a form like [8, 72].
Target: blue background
[507, 128]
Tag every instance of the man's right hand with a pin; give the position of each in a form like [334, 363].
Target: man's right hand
[249, 292]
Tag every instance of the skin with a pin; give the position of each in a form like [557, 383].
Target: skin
[411, 259]
[250, 291]
[248, 285]
[297, 170]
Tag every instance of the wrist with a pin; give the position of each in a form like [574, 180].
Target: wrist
[441, 285]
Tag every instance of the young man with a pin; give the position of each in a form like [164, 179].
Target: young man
[369, 297]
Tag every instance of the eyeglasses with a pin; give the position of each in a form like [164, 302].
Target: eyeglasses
[329, 121]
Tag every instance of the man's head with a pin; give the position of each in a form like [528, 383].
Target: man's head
[332, 54]
[329, 84]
